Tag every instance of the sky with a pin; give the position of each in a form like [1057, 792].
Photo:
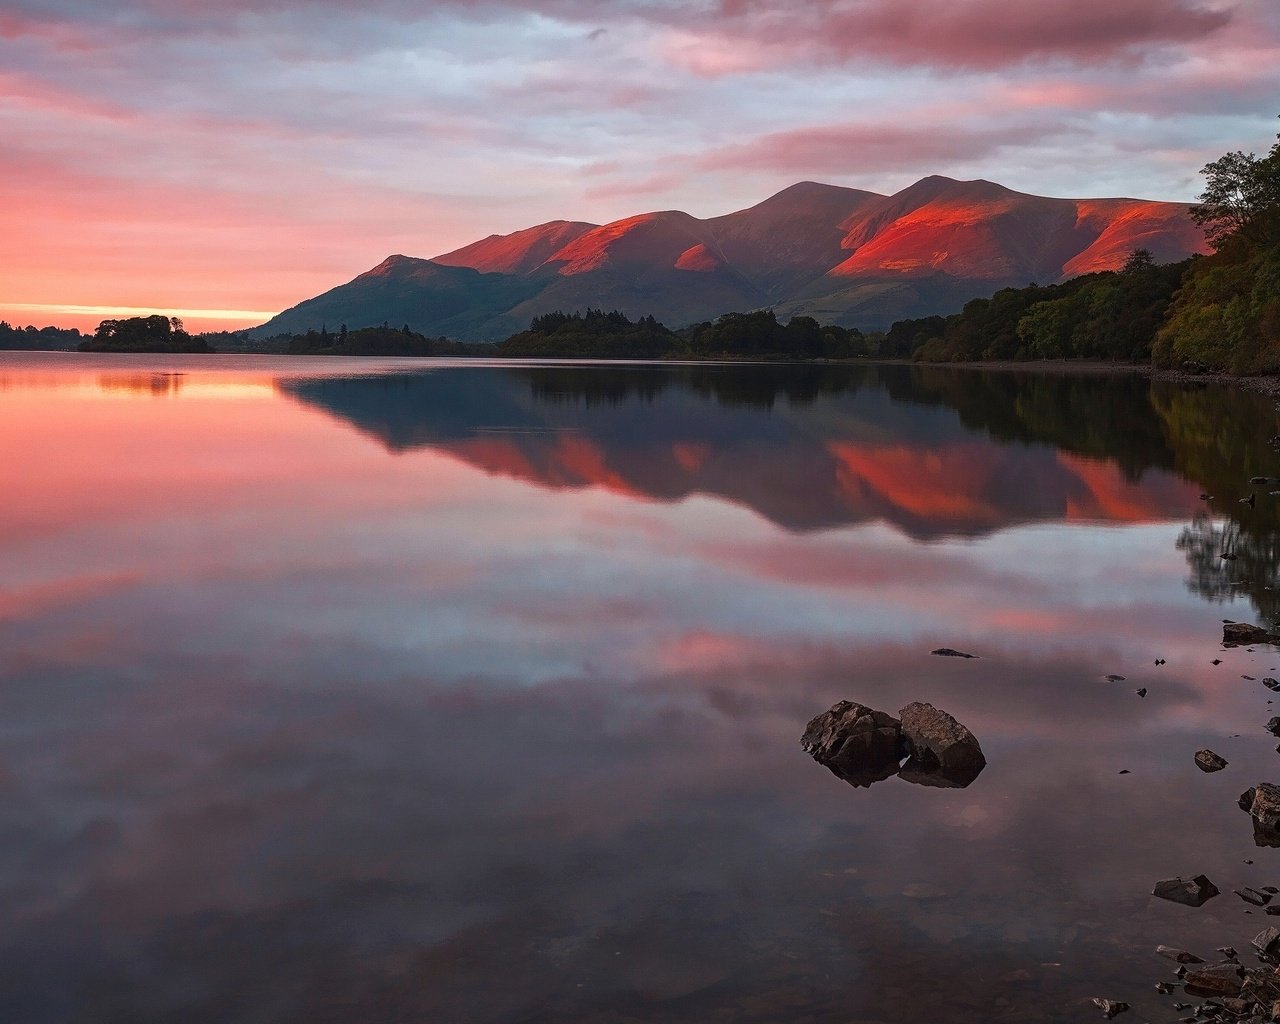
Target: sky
[223, 161]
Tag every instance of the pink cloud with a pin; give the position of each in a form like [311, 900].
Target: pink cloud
[941, 33]
[838, 148]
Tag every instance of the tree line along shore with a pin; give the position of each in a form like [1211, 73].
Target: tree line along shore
[1214, 313]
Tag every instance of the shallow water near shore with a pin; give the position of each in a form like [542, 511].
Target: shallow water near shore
[365, 690]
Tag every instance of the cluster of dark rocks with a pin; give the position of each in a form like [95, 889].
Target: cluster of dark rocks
[1229, 990]
[927, 746]
[923, 745]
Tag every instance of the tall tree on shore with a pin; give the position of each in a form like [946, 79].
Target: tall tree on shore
[1241, 198]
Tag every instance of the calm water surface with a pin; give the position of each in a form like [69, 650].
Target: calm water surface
[363, 691]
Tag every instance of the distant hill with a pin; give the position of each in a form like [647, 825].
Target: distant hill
[841, 255]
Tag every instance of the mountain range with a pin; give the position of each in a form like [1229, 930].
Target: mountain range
[841, 255]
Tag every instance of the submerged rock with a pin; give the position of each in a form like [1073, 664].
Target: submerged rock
[1110, 1007]
[1263, 804]
[1267, 944]
[1190, 892]
[1241, 634]
[1224, 979]
[862, 745]
[1179, 956]
[859, 744]
[1208, 761]
[1254, 896]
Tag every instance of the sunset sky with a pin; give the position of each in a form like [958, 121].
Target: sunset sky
[222, 161]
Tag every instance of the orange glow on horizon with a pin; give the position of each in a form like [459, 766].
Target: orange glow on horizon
[87, 317]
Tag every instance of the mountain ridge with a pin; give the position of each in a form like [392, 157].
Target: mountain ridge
[840, 254]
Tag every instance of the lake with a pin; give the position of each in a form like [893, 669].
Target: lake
[377, 691]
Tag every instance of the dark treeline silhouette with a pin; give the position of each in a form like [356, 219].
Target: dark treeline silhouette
[594, 334]
[41, 338]
[612, 335]
[376, 341]
[760, 335]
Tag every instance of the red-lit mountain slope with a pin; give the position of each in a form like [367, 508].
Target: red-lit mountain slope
[839, 254]
[517, 253]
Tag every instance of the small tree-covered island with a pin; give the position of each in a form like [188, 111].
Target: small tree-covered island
[144, 334]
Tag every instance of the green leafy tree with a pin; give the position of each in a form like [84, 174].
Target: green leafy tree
[1241, 198]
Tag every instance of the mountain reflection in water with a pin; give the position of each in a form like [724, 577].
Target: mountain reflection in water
[807, 447]
[356, 691]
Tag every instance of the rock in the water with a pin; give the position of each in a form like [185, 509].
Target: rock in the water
[1141, 691]
[1273, 726]
[1208, 761]
[1263, 804]
[1259, 479]
[1225, 979]
[859, 744]
[1190, 892]
[947, 652]
[1180, 956]
[1113, 678]
[1267, 944]
[1110, 1007]
[1241, 634]
[943, 752]
[862, 746]
[1254, 896]
[1271, 684]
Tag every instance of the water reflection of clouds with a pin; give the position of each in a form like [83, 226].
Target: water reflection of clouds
[290, 726]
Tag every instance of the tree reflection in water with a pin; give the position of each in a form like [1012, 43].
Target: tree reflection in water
[1253, 573]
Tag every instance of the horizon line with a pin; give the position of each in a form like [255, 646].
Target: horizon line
[109, 311]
